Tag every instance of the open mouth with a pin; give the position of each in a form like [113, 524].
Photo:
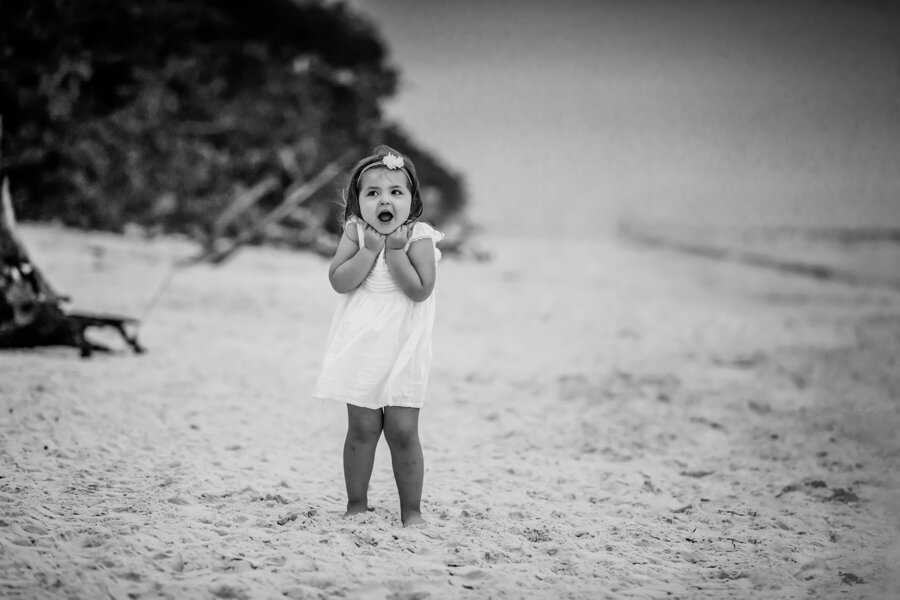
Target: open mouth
[385, 216]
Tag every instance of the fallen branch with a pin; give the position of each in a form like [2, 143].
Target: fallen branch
[241, 204]
[290, 203]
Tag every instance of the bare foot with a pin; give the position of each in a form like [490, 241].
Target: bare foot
[358, 509]
[413, 520]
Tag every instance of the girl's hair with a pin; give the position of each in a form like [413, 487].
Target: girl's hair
[351, 195]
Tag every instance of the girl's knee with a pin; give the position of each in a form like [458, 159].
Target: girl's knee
[401, 426]
[401, 435]
[364, 432]
[364, 425]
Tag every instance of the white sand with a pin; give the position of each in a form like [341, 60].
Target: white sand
[604, 422]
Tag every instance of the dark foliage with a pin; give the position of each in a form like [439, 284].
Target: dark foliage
[158, 113]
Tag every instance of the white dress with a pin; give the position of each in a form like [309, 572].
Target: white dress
[378, 350]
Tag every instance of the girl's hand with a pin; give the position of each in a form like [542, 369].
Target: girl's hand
[398, 238]
[373, 240]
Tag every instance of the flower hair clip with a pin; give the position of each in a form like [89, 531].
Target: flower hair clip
[392, 161]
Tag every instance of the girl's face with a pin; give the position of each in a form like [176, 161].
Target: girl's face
[384, 199]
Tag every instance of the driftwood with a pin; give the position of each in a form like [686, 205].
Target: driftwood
[218, 250]
[241, 203]
[31, 312]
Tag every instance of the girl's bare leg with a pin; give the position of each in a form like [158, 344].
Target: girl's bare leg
[364, 427]
[401, 430]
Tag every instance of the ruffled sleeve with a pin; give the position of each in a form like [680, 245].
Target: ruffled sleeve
[354, 223]
[423, 231]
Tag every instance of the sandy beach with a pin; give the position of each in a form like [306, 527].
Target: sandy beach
[604, 421]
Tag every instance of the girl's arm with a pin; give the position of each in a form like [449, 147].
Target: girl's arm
[351, 263]
[413, 271]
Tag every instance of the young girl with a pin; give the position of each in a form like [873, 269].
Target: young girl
[378, 352]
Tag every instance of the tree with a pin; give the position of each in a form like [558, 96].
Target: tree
[158, 114]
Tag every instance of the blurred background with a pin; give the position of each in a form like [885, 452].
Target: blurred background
[197, 117]
[573, 115]
[569, 118]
